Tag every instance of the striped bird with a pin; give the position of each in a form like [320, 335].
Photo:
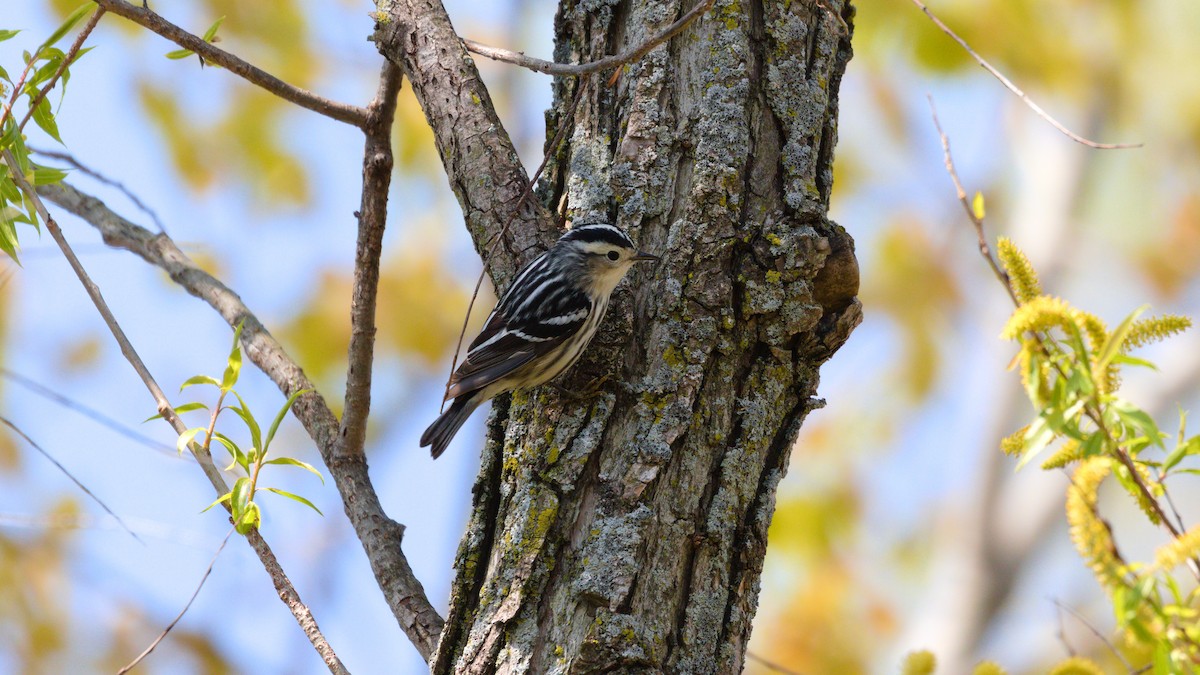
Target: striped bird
[541, 325]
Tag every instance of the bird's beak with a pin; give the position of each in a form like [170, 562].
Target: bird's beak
[642, 256]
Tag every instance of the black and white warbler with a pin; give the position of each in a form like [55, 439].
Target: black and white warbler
[541, 325]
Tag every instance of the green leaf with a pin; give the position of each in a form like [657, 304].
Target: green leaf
[279, 417]
[298, 498]
[1137, 419]
[1037, 438]
[1093, 446]
[250, 519]
[4, 75]
[212, 30]
[44, 175]
[243, 492]
[1128, 360]
[8, 34]
[179, 54]
[199, 379]
[235, 453]
[1191, 447]
[186, 407]
[291, 461]
[251, 423]
[82, 11]
[1112, 346]
[187, 436]
[234, 364]
[219, 500]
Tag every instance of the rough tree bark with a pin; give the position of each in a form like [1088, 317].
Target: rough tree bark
[625, 530]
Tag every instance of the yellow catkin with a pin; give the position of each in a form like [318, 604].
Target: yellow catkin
[1069, 452]
[1020, 272]
[1091, 535]
[989, 668]
[919, 663]
[1013, 443]
[1175, 553]
[1144, 501]
[1155, 328]
[1093, 328]
[1077, 665]
[1038, 314]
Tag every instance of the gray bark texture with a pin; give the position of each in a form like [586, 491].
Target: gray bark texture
[625, 531]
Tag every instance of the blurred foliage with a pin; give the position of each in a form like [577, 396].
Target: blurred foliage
[419, 314]
[34, 597]
[1103, 69]
[82, 353]
[909, 265]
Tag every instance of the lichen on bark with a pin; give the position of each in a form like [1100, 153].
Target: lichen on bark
[624, 530]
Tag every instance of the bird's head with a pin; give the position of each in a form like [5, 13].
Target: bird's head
[603, 253]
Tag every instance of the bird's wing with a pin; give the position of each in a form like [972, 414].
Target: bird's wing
[516, 333]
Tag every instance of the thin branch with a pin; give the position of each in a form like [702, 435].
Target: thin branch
[606, 63]
[1008, 84]
[183, 611]
[70, 159]
[481, 164]
[1080, 618]
[379, 534]
[372, 220]
[551, 150]
[88, 412]
[770, 665]
[341, 112]
[67, 60]
[282, 585]
[1001, 275]
[68, 474]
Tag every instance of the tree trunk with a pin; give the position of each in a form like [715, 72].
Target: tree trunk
[625, 529]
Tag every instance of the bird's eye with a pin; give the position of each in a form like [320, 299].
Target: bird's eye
[613, 255]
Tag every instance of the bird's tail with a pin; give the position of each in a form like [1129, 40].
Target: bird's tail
[447, 424]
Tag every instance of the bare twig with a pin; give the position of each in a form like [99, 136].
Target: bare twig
[68, 474]
[1008, 84]
[1095, 631]
[341, 112]
[606, 63]
[372, 220]
[89, 412]
[67, 60]
[70, 159]
[770, 665]
[183, 611]
[283, 586]
[499, 236]
[1001, 275]
[380, 535]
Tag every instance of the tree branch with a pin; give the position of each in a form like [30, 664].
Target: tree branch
[70, 57]
[146, 652]
[287, 593]
[372, 219]
[341, 112]
[1008, 84]
[380, 536]
[483, 167]
[606, 63]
